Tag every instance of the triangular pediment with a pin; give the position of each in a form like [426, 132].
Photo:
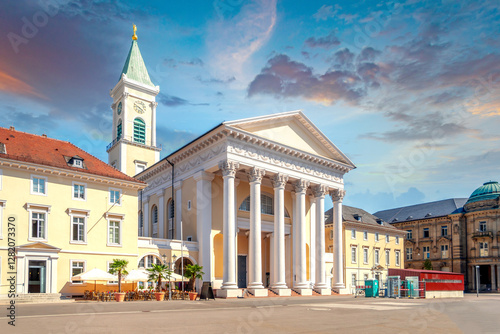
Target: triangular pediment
[38, 246]
[295, 130]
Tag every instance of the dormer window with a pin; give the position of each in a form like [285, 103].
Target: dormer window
[76, 161]
[2, 148]
[357, 217]
[379, 221]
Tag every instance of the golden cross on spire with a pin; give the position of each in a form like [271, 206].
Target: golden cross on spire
[134, 36]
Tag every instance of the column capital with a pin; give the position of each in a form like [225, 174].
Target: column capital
[337, 195]
[154, 104]
[228, 167]
[320, 190]
[279, 180]
[300, 186]
[125, 95]
[255, 174]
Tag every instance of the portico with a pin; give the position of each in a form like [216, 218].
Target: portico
[257, 187]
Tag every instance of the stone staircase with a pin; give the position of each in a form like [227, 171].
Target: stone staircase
[31, 298]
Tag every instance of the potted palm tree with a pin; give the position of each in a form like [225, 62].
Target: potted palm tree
[193, 272]
[157, 273]
[119, 267]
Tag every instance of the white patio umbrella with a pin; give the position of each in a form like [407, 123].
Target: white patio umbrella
[178, 278]
[94, 275]
[136, 275]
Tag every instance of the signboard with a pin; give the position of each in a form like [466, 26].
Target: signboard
[206, 291]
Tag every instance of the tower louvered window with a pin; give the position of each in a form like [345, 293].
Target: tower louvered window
[139, 131]
[119, 130]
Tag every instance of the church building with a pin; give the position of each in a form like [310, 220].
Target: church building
[245, 200]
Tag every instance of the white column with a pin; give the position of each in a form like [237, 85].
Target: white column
[204, 221]
[145, 215]
[288, 258]
[294, 239]
[272, 261]
[161, 216]
[338, 256]
[319, 195]
[229, 169]
[255, 239]
[278, 271]
[178, 209]
[153, 123]
[300, 199]
[312, 241]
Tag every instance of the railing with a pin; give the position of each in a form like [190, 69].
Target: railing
[129, 139]
[482, 234]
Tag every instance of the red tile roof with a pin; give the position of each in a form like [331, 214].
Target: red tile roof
[26, 147]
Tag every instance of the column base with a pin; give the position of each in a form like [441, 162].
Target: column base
[338, 286]
[323, 291]
[282, 292]
[229, 293]
[258, 292]
[277, 286]
[256, 285]
[229, 286]
[304, 291]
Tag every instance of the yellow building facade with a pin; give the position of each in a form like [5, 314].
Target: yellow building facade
[371, 247]
[66, 212]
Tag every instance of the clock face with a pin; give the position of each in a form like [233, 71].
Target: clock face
[139, 107]
[119, 109]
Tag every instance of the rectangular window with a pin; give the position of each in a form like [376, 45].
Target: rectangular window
[365, 255]
[109, 268]
[444, 251]
[365, 276]
[377, 256]
[38, 185]
[78, 232]
[398, 260]
[139, 168]
[114, 233]
[444, 231]
[483, 249]
[77, 267]
[353, 254]
[409, 234]
[353, 234]
[79, 191]
[426, 232]
[387, 239]
[365, 235]
[376, 236]
[114, 196]
[397, 240]
[427, 253]
[387, 257]
[38, 225]
[353, 280]
[482, 226]
[409, 253]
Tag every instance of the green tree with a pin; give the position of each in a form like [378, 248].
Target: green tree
[119, 267]
[157, 273]
[427, 264]
[193, 272]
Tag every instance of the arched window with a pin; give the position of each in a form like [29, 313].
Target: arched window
[148, 260]
[170, 216]
[266, 205]
[119, 130]
[139, 131]
[154, 221]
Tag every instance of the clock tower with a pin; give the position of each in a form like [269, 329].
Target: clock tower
[133, 147]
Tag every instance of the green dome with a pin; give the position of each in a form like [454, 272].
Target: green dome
[489, 190]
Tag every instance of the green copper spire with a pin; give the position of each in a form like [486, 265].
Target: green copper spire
[134, 67]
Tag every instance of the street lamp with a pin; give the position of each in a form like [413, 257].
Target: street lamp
[174, 257]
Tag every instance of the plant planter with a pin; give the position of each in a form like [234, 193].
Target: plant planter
[119, 296]
[159, 296]
[193, 295]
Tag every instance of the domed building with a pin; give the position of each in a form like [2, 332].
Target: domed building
[454, 234]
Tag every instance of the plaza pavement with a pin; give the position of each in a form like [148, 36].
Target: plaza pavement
[332, 314]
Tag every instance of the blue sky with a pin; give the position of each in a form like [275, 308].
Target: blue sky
[408, 90]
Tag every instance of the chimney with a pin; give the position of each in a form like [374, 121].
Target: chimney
[44, 135]
[12, 128]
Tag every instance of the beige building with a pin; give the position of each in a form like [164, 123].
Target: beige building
[371, 246]
[65, 211]
[455, 235]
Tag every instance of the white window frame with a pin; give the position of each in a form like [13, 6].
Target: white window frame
[120, 221]
[409, 251]
[353, 234]
[397, 239]
[107, 270]
[387, 257]
[365, 255]
[365, 235]
[376, 256]
[484, 251]
[445, 251]
[398, 258]
[71, 271]
[78, 163]
[139, 164]
[387, 238]
[78, 215]
[46, 227]
[73, 184]
[481, 224]
[428, 252]
[46, 185]
[353, 280]
[354, 250]
[119, 197]
[377, 238]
